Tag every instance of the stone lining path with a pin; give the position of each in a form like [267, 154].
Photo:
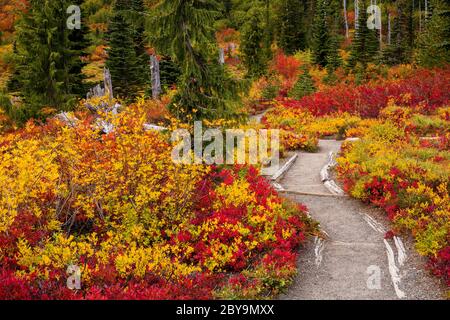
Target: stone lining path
[353, 260]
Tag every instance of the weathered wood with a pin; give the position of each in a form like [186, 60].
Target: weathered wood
[108, 84]
[156, 77]
[314, 194]
[280, 173]
[221, 56]
[152, 127]
[67, 118]
[96, 91]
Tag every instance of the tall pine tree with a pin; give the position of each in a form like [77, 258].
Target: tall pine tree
[291, 33]
[79, 42]
[48, 59]
[139, 40]
[252, 38]
[365, 45]
[321, 35]
[205, 90]
[433, 44]
[400, 49]
[122, 61]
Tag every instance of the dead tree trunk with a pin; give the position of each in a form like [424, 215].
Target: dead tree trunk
[156, 78]
[108, 84]
[346, 19]
[221, 56]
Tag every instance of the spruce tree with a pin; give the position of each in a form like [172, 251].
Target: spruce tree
[170, 72]
[205, 89]
[304, 85]
[291, 33]
[139, 40]
[13, 84]
[400, 49]
[122, 61]
[252, 37]
[433, 44]
[45, 58]
[79, 42]
[321, 36]
[365, 45]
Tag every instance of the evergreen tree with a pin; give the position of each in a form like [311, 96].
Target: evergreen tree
[365, 44]
[252, 37]
[79, 42]
[13, 84]
[304, 85]
[122, 61]
[400, 49]
[45, 58]
[321, 36]
[291, 33]
[334, 61]
[433, 43]
[169, 72]
[139, 40]
[205, 88]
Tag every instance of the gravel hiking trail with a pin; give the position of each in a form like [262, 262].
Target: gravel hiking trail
[353, 260]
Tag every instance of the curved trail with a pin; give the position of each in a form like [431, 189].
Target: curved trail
[353, 261]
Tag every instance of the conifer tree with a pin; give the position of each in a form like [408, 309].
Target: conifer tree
[321, 36]
[122, 61]
[13, 84]
[79, 42]
[291, 34]
[205, 89]
[365, 44]
[400, 49]
[170, 72]
[252, 37]
[139, 40]
[46, 58]
[433, 44]
[304, 85]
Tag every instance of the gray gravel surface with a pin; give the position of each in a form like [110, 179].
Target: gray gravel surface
[352, 259]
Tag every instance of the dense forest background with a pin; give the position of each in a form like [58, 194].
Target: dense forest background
[50, 67]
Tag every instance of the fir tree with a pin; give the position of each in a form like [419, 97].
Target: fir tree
[321, 36]
[170, 72]
[205, 88]
[122, 61]
[252, 37]
[139, 40]
[400, 49]
[79, 42]
[291, 34]
[45, 58]
[334, 61]
[365, 44]
[433, 43]
[304, 85]
[13, 84]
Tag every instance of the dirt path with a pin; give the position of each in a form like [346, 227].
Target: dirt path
[354, 261]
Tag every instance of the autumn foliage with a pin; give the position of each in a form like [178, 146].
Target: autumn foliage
[138, 225]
